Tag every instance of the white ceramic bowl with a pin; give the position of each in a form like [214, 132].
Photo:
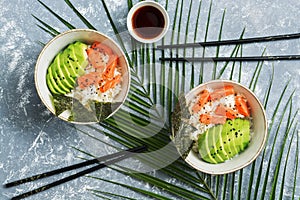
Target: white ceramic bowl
[131, 28]
[258, 138]
[57, 44]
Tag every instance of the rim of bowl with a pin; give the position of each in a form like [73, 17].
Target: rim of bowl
[156, 5]
[265, 132]
[61, 35]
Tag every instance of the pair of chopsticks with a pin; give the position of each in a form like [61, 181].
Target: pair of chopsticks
[101, 163]
[232, 42]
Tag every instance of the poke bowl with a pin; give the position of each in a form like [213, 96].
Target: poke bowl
[82, 76]
[219, 127]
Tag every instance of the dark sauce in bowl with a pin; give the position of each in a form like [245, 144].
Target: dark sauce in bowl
[148, 22]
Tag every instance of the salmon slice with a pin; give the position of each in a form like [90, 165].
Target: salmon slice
[212, 119]
[221, 110]
[242, 106]
[102, 48]
[86, 80]
[110, 68]
[203, 99]
[95, 59]
[221, 92]
[110, 83]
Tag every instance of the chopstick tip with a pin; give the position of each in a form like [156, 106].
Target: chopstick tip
[7, 185]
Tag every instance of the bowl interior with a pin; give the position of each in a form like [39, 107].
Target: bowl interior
[59, 43]
[257, 139]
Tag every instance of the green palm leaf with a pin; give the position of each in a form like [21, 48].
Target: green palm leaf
[154, 82]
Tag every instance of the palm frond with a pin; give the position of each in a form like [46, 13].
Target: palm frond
[214, 72]
[67, 24]
[201, 79]
[142, 191]
[289, 125]
[48, 29]
[236, 49]
[192, 82]
[256, 73]
[161, 83]
[82, 18]
[296, 163]
[108, 194]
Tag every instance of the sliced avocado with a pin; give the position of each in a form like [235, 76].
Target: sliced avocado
[245, 133]
[79, 50]
[242, 132]
[215, 140]
[53, 84]
[219, 142]
[78, 57]
[58, 79]
[228, 131]
[66, 72]
[49, 84]
[64, 58]
[58, 72]
[225, 138]
[205, 147]
[66, 67]
[74, 58]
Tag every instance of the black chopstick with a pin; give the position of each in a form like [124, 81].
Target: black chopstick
[232, 42]
[111, 159]
[69, 168]
[229, 59]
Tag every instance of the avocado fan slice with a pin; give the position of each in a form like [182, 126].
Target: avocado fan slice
[221, 142]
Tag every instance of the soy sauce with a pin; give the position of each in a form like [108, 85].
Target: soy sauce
[148, 22]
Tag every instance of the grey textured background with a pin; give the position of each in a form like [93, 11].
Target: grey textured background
[32, 140]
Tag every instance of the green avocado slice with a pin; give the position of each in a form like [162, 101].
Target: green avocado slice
[66, 67]
[79, 50]
[65, 72]
[78, 57]
[64, 57]
[221, 142]
[205, 147]
[216, 151]
[242, 132]
[230, 137]
[50, 86]
[58, 79]
[59, 73]
[52, 82]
